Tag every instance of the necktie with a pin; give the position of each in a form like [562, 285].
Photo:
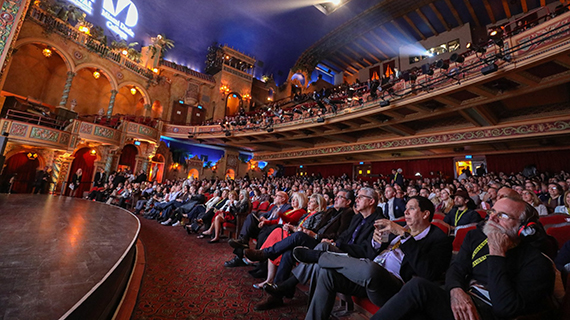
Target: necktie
[357, 231]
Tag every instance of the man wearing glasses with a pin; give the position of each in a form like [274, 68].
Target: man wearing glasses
[498, 274]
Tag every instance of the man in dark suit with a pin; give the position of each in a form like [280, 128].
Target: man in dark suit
[356, 241]
[416, 250]
[100, 178]
[394, 207]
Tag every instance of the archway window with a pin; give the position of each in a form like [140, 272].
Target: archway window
[233, 103]
[194, 174]
[230, 174]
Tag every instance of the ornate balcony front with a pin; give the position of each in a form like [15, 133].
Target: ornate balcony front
[38, 135]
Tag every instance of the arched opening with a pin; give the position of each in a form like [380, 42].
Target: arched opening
[194, 174]
[233, 103]
[84, 160]
[230, 174]
[37, 71]
[22, 168]
[91, 91]
[129, 101]
[157, 168]
[128, 158]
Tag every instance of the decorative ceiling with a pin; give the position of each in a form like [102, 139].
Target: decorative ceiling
[282, 33]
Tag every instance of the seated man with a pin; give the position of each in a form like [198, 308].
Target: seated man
[416, 250]
[394, 207]
[498, 274]
[462, 213]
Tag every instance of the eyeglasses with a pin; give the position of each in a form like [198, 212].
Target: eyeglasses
[501, 215]
[360, 196]
[342, 197]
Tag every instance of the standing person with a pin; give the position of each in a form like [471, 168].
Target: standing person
[75, 182]
[100, 178]
[40, 180]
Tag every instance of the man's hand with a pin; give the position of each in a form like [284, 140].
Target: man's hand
[327, 240]
[385, 225]
[498, 243]
[261, 223]
[377, 236]
[462, 305]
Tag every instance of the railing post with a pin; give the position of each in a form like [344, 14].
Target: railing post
[112, 102]
[66, 89]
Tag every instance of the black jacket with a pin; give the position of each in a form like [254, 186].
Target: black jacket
[362, 246]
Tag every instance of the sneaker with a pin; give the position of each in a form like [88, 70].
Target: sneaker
[167, 222]
[176, 224]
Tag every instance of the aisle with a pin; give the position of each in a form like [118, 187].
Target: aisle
[185, 278]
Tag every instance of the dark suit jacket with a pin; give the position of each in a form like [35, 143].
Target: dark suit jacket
[399, 208]
[427, 258]
[362, 246]
[283, 208]
[334, 223]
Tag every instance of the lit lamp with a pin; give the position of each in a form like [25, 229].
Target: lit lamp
[93, 152]
[133, 91]
[155, 70]
[124, 52]
[84, 29]
[46, 52]
[96, 74]
[32, 155]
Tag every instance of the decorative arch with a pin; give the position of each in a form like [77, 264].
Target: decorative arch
[230, 174]
[194, 174]
[106, 72]
[233, 102]
[128, 156]
[140, 88]
[157, 167]
[85, 160]
[19, 166]
[65, 56]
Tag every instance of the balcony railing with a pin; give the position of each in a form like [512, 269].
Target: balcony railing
[28, 117]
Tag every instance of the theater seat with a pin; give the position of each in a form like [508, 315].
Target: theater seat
[482, 213]
[559, 231]
[438, 216]
[553, 219]
[255, 205]
[460, 233]
[442, 225]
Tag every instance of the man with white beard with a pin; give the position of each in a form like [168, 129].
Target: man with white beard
[498, 274]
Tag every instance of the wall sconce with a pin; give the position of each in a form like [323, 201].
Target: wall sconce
[93, 152]
[246, 97]
[214, 168]
[84, 29]
[124, 52]
[155, 70]
[46, 52]
[133, 91]
[225, 89]
[96, 74]
[32, 155]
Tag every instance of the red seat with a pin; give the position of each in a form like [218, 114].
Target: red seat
[553, 219]
[264, 206]
[438, 216]
[442, 225]
[255, 205]
[482, 213]
[366, 304]
[460, 233]
[559, 231]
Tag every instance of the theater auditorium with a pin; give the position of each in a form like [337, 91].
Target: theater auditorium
[344, 159]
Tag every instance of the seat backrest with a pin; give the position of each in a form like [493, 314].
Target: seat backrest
[264, 206]
[559, 231]
[442, 225]
[438, 216]
[255, 205]
[553, 219]
[482, 213]
[460, 233]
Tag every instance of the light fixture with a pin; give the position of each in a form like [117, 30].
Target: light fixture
[125, 52]
[93, 152]
[440, 64]
[84, 29]
[155, 70]
[493, 33]
[32, 155]
[489, 69]
[384, 103]
[133, 91]
[96, 74]
[468, 45]
[46, 52]
[426, 69]
[456, 58]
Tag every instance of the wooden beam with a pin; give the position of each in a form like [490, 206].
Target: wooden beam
[411, 23]
[439, 16]
[524, 6]
[447, 101]
[393, 114]
[480, 92]
[383, 42]
[375, 48]
[454, 12]
[489, 11]
[472, 12]
[348, 66]
[406, 35]
[519, 78]
[426, 20]
[417, 108]
[368, 53]
[345, 56]
[401, 130]
[467, 117]
[297, 143]
[507, 9]
[358, 55]
[342, 137]
[487, 114]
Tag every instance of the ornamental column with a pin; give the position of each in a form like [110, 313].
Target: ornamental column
[112, 102]
[147, 110]
[66, 89]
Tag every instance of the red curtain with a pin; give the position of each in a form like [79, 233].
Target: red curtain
[25, 171]
[428, 168]
[128, 156]
[551, 161]
[84, 160]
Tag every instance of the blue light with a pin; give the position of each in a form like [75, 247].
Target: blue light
[137, 143]
[362, 163]
[181, 101]
[262, 164]
[301, 167]
[468, 157]
[234, 95]
[200, 107]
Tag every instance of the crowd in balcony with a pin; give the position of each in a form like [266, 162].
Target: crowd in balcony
[370, 220]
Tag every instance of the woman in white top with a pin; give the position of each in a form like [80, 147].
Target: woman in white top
[566, 207]
[532, 199]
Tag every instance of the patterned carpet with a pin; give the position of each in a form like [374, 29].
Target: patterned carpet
[185, 278]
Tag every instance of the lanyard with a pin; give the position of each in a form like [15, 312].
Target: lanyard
[482, 258]
[307, 217]
[460, 215]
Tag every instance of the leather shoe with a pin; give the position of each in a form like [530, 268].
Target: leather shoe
[306, 255]
[270, 302]
[254, 255]
[278, 291]
[235, 262]
[238, 243]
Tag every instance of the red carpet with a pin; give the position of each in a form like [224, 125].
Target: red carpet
[185, 278]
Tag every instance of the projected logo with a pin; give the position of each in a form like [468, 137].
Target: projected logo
[85, 5]
[121, 17]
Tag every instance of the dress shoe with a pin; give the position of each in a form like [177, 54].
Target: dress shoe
[238, 243]
[258, 273]
[270, 302]
[254, 255]
[235, 262]
[279, 290]
[306, 255]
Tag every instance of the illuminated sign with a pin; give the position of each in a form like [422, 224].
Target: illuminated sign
[85, 5]
[111, 12]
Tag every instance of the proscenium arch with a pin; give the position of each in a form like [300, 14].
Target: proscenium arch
[105, 72]
[140, 88]
[65, 56]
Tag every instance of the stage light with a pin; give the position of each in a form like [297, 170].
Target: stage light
[468, 45]
[96, 74]
[46, 52]
[489, 69]
[133, 91]
[493, 33]
[155, 70]
[84, 29]
[456, 58]
[440, 64]
[32, 155]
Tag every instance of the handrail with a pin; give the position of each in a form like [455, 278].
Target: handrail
[34, 118]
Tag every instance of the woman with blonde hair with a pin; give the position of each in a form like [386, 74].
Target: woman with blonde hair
[228, 213]
[531, 198]
[446, 203]
[566, 207]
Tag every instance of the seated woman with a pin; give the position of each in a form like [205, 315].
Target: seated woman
[228, 213]
[566, 207]
[446, 203]
[531, 198]
[307, 218]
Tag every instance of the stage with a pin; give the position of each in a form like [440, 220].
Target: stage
[63, 257]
